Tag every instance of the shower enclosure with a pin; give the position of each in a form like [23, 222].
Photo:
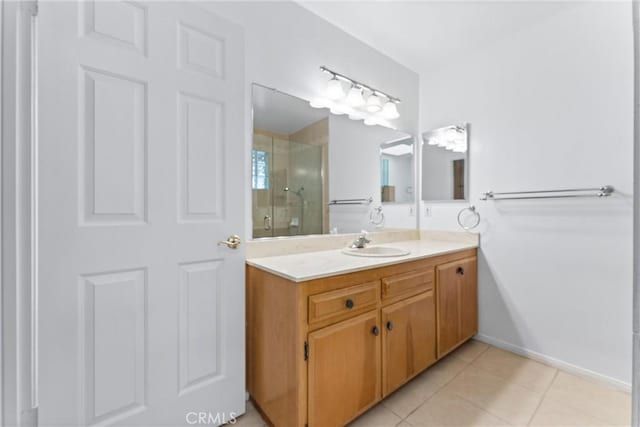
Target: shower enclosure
[287, 186]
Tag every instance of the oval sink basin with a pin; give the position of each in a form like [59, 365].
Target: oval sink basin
[376, 251]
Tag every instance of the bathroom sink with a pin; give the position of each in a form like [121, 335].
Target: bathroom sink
[376, 251]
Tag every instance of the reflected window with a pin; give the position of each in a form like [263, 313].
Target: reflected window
[260, 170]
[384, 168]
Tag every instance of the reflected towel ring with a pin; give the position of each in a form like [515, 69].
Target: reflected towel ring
[472, 209]
[376, 216]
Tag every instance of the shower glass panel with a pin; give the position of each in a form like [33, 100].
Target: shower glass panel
[287, 186]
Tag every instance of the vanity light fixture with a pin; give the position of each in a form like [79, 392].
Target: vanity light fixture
[452, 138]
[355, 97]
[373, 103]
[362, 102]
[390, 111]
[335, 90]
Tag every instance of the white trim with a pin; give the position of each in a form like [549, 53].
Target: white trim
[19, 326]
[2, 206]
[553, 362]
[635, 377]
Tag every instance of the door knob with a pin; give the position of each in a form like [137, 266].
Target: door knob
[375, 331]
[232, 242]
[460, 271]
[349, 303]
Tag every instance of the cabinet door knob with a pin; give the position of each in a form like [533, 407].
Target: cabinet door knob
[389, 325]
[349, 303]
[460, 271]
[375, 331]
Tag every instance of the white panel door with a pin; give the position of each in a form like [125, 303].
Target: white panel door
[141, 314]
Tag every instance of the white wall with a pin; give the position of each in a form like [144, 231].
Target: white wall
[551, 107]
[285, 46]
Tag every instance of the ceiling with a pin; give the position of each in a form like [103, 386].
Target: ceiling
[421, 35]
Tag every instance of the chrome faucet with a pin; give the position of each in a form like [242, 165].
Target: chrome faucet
[360, 242]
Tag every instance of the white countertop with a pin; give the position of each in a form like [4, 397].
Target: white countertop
[315, 265]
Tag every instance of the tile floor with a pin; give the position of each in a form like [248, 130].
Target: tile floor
[480, 385]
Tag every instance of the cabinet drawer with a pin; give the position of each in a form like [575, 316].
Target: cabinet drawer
[336, 304]
[407, 284]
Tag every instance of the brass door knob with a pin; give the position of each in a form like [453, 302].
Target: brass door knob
[232, 242]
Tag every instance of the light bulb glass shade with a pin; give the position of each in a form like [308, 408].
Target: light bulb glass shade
[334, 89]
[390, 111]
[373, 104]
[355, 98]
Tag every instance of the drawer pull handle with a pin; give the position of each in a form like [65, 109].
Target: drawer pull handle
[349, 304]
[389, 325]
[375, 331]
[460, 271]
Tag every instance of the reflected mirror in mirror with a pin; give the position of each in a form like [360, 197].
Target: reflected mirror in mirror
[445, 164]
[313, 172]
[396, 171]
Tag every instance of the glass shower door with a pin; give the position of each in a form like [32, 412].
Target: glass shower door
[287, 187]
[261, 183]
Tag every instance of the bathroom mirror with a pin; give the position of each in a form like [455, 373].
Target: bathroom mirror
[445, 164]
[396, 171]
[313, 172]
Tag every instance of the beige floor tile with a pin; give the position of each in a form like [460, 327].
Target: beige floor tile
[443, 371]
[407, 398]
[470, 350]
[251, 418]
[378, 416]
[552, 414]
[446, 409]
[511, 367]
[509, 401]
[591, 398]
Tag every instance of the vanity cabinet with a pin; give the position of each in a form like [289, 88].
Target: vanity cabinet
[321, 352]
[344, 370]
[457, 292]
[408, 340]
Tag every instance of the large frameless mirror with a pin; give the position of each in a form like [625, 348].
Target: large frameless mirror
[313, 172]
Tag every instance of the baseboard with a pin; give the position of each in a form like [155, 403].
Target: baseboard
[556, 363]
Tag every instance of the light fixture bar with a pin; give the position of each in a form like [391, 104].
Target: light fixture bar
[361, 85]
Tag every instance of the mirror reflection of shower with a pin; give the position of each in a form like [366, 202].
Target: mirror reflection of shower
[300, 219]
[289, 161]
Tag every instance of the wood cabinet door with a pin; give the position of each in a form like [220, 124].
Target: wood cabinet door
[468, 298]
[457, 293]
[448, 311]
[344, 370]
[408, 339]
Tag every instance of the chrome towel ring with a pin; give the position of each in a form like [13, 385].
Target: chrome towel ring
[376, 216]
[475, 213]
